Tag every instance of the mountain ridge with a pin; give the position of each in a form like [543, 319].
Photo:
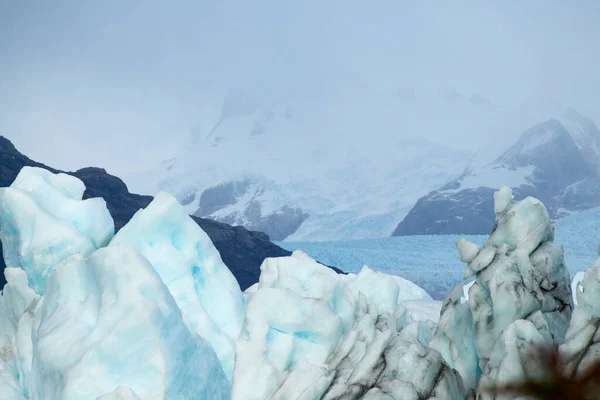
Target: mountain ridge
[550, 161]
[354, 172]
[243, 251]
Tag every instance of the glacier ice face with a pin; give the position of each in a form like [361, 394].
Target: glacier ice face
[415, 371]
[521, 294]
[506, 365]
[18, 297]
[370, 283]
[582, 343]
[44, 221]
[522, 224]
[310, 333]
[78, 322]
[408, 290]
[290, 319]
[110, 321]
[410, 311]
[454, 338]
[382, 290]
[525, 275]
[502, 199]
[120, 393]
[304, 330]
[9, 387]
[190, 266]
[157, 315]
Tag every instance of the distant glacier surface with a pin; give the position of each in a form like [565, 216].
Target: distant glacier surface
[432, 262]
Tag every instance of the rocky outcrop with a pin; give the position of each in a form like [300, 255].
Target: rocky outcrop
[242, 250]
[238, 202]
[222, 195]
[555, 162]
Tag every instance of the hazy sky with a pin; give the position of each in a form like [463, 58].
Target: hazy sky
[83, 82]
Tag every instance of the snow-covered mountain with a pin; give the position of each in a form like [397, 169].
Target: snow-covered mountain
[557, 161]
[152, 312]
[242, 251]
[350, 167]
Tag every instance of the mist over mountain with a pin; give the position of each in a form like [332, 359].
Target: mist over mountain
[299, 177]
[126, 93]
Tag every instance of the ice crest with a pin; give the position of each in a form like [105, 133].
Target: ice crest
[190, 266]
[521, 294]
[582, 344]
[502, 200]
[454, 338]
[467, 250]
[310, 333]
[17, 295]
[83, 321]
[506, 365]
[44, 221]
[110, 321]
[155, 314]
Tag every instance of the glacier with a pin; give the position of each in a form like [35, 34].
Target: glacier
[110, 321]
[40, 199]
[439, 270]
[454, 337]
[581, 347]
[80, 319]
[153, 313]
[345, 194]
[191, 267]
[521, 294]
[312, 334]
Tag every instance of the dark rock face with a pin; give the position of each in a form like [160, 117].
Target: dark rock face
[120, 203]
[563, 174]
[242, 251]
[282, 223]
[437, 214]
[219, 196]
[278, 224]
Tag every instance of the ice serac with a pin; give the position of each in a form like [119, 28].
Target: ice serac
[455, 340]
[312, 334]
[190, 266]
[77, 322]
[9, 387]
[109, 321]
[408, 290]
[506, 365]
[44, 220]
[18, 297]
[582, 344]
[519, 276]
